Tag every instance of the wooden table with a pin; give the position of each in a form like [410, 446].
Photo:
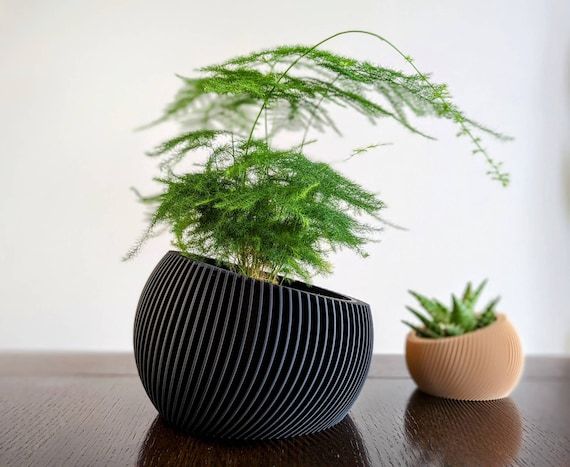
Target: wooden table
[60, 410]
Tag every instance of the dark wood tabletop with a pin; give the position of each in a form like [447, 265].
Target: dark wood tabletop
[87, 410]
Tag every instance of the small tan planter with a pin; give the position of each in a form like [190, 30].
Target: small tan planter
[481, 365]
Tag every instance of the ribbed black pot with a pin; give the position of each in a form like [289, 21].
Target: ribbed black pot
[226, 356]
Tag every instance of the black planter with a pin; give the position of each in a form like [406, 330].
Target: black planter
[222, 355]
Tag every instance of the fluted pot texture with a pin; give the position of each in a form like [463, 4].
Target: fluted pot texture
[226, 356]
[485, 364]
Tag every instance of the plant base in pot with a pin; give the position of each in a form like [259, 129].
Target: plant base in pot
[226, 356]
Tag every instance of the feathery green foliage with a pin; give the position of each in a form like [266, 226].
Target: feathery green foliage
[268, 212]
[227, 96]
[458, 319]
[271, 211]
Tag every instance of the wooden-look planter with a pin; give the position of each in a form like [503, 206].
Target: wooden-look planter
[485, 364]
[226, 356]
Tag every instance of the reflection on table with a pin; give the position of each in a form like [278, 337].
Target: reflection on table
[340, 445]
[463, 432]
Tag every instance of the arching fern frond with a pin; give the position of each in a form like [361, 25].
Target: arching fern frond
[234, 89]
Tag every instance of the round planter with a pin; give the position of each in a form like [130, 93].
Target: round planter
[485, 364]
[226, 356]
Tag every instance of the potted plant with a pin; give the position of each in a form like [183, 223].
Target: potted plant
[458, 353]
[230, 339]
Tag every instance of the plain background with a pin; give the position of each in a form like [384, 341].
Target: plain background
[77, 77]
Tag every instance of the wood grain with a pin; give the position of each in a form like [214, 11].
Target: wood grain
[60, 410]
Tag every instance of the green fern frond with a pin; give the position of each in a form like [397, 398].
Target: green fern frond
[225, 95]
[271, 212]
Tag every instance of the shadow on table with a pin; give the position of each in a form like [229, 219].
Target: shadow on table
[463, 432]
[339, 445]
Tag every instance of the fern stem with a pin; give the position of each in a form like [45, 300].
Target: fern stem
[265, 118]
[312, 117]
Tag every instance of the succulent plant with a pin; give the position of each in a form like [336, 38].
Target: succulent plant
[459, 318]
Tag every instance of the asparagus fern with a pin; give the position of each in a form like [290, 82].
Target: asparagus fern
[271, 211]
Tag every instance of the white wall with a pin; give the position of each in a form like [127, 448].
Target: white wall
[77, 77]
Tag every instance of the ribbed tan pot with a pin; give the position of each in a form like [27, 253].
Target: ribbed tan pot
[481, 365]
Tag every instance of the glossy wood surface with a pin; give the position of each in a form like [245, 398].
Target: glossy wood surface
[60, 410]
